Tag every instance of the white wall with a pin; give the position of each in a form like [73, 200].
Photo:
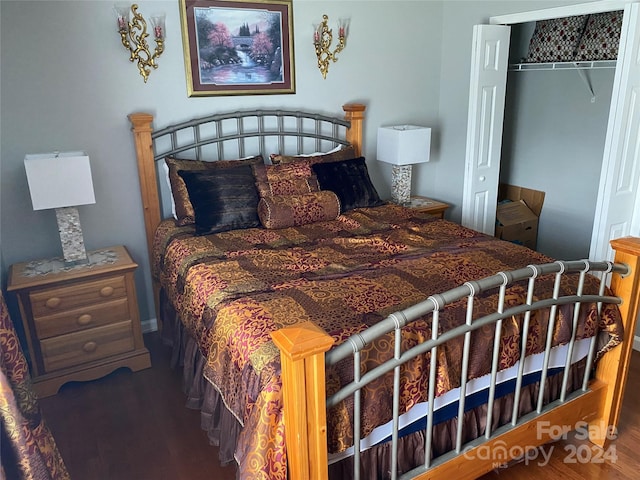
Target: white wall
[67, 84]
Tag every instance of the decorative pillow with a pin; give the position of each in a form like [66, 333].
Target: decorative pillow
[290, 179]
[223, 199]
[556, 39]
[281, 211]
[601, 37]
[335, 155]
[349, 179]
[183, 209]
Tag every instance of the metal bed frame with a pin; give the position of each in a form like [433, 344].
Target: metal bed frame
[436, 304]
[251, 124]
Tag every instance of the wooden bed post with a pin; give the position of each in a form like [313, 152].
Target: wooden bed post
[613, 367]
[302, 348]
[141, 127]
[355, 114]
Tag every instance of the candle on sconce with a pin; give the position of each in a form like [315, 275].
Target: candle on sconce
[316, 33]
[342, 27]
[157, 22]
[122, 16]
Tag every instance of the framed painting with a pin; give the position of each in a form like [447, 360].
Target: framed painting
[238, 47]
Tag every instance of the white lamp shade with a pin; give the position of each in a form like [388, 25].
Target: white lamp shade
[59, 180]
[404, 144]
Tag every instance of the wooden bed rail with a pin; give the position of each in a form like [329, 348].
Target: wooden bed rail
[302, 349]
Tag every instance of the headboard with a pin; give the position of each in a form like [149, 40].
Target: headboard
[235, 135]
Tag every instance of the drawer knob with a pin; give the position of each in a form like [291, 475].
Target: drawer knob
[53, 302]
[84, 319]
[106, 291]
[90, 347]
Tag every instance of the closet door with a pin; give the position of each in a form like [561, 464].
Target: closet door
[487, 91]
[617, 212]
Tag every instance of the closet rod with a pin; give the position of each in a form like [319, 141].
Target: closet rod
[582, 65]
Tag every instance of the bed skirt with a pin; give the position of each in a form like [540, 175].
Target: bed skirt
[223, 427]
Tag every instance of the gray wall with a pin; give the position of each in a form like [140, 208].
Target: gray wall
[551, 129]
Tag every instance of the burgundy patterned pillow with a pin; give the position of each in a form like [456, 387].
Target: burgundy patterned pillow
[281, 211]
[601, 37]
[556, 39]
[290, 179]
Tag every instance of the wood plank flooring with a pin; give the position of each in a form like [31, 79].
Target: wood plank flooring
[129, 426]
[135, 426]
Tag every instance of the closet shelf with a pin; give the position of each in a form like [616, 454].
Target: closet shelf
[582, 65]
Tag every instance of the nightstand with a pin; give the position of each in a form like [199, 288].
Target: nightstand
[81, 322]
[428, 205]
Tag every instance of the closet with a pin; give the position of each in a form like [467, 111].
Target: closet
[555, 120]
[614, 177]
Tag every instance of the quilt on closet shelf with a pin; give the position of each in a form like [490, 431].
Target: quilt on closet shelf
[232, 289]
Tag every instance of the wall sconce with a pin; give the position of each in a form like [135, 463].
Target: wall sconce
[62, 181]
[322, 38]
[134, 37]
[402, 146]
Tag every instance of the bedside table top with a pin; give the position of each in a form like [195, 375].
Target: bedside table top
[418, 201]
[45, 271]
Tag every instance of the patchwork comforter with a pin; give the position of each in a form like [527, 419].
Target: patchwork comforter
[232, 289]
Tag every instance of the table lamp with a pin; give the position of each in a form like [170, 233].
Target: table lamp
[62, 180]
[403, 146]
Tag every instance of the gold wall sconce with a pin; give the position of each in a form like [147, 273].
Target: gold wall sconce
[134, 37]
[322, 38]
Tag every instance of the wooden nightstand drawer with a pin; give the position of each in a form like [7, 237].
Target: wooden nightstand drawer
[82, 347]
[81, 322]
[83, 318]
[60, 299]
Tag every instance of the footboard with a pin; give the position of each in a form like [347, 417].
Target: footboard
[597, 401]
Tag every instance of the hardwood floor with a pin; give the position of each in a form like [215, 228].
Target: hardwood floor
[135, 426]
[129, 426]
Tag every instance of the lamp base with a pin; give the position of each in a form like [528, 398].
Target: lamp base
[71, 238]
[401, 184]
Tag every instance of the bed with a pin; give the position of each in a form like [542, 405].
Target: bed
[339, 335]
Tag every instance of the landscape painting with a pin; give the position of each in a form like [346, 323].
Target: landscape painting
[238, 47]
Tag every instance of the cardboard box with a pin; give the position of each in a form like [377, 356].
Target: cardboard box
[517, 219]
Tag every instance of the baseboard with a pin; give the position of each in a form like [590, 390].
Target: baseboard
[636, 343]
[151, 325]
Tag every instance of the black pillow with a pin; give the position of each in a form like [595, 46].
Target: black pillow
[349, 179]
[223, 199]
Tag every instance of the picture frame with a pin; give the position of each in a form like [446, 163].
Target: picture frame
[238, 47]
